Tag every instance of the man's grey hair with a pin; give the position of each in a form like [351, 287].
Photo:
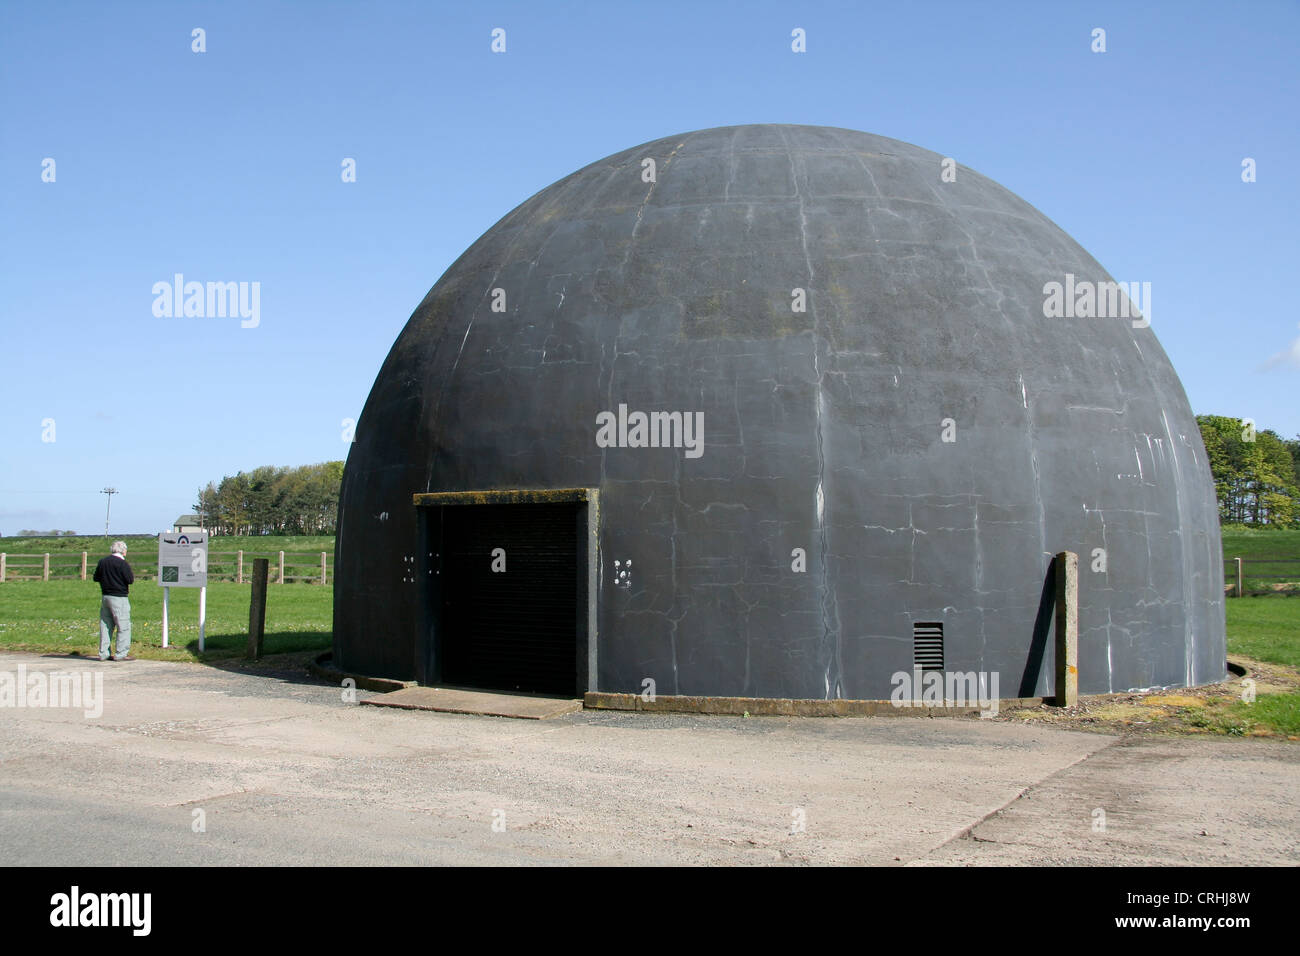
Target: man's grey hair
[119, 547]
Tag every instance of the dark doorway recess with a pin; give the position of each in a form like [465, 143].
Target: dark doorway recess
[507, 601]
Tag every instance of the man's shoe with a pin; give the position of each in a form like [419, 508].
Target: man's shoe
[127, 658]
[105, 658]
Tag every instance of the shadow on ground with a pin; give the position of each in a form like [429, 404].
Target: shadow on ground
[284, 658]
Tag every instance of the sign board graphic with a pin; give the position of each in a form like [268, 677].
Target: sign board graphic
[183, 560]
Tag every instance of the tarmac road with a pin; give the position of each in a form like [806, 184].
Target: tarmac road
[279, 770]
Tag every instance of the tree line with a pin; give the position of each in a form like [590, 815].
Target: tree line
[1255, 472]
[273, 500]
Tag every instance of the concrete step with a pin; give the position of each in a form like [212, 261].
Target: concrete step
[450, 700]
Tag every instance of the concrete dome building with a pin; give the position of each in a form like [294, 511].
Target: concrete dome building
[775, 411]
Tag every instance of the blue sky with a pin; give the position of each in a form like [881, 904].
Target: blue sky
[225, 165]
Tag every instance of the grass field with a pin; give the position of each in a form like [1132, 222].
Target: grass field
[1254, 546]
[63, 617]
[1265, 628]
[1246, 542]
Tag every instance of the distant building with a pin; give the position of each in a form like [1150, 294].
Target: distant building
[188, 523]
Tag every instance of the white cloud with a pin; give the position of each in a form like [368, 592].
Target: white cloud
[1288, 356]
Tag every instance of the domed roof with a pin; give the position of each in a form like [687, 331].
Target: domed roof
[873, 343]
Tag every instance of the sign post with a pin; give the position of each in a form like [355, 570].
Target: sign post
[183, 563]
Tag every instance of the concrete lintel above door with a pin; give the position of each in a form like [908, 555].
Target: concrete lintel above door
[509, 496]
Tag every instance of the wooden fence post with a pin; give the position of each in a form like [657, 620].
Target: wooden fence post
[1237, 593]
[322, 568]
[281, 567]
[3, 559]
[83, 565]
[257, 608]
[1067, 629]
[45, 567]
[239, 569]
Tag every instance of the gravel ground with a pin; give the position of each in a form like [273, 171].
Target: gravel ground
[196, 765]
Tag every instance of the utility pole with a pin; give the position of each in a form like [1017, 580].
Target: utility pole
[110, 492]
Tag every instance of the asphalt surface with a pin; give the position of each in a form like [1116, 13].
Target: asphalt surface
[195, 765]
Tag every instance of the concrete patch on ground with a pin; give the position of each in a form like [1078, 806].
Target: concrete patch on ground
[1149, 802]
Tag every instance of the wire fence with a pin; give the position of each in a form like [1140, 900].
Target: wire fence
[1262, 574]
[315, 567]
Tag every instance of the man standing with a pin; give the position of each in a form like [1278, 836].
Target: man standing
[115, 580]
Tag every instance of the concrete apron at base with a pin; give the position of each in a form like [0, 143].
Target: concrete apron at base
[486, 703]
[777, 707]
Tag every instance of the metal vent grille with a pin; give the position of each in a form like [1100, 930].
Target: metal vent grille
[927, 646]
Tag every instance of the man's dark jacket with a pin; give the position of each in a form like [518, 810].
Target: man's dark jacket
[114, 576]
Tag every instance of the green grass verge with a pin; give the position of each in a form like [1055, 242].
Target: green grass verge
[63, 617]
[1276, 713]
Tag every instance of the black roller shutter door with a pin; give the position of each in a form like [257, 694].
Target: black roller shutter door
[514, 630]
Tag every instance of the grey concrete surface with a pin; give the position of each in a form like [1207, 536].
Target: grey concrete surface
[285, 772]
